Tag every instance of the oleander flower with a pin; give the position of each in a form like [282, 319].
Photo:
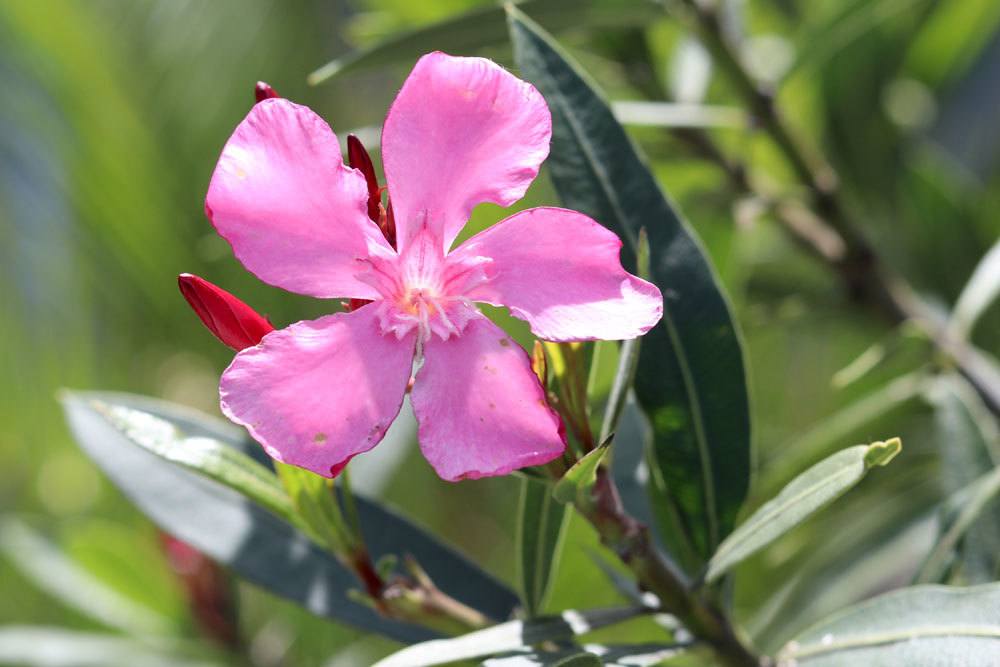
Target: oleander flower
[462, 131]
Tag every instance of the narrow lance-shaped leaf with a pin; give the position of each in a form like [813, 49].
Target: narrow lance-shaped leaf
[967, 548]
[484, 27]
[960, 513]
[40, 646]
[55, 573]
[207, 456]
[804, 496]
[923, 626]
[509, 636]
[593, 655]
[540, 528]
[690, 378]
[257, 544]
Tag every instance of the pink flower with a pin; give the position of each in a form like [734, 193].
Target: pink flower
[462, 131]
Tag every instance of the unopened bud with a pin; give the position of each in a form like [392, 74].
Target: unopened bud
[262, 92]
[230, 320]
[358, 158]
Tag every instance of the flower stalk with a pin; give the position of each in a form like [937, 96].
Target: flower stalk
[631, 541]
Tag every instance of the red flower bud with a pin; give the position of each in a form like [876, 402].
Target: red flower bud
[229, 319]
[262, 92]
[358, 158]
[208, 589]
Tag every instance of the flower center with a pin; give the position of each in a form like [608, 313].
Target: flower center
[423, 289]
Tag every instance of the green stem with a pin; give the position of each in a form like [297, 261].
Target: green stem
[632, 543]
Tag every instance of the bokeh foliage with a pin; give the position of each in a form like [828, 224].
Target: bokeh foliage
[113, 115]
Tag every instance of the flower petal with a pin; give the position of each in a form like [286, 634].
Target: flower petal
[560, 271]
[462, 131]
[481, 410]
[319, 392]
[294, 214]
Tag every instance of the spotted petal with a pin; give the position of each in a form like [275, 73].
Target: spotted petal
[481, 410]
[294, 214]
[560, 271]
[319, 392]
[462, 131]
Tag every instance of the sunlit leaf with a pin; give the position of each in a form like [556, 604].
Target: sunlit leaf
[804, 496]
[206, 456]
[506, 637]
[922, 626]
[265, 549]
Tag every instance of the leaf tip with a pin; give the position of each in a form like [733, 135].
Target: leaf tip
[882, 452]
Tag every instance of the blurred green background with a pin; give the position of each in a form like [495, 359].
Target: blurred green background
[112, 115]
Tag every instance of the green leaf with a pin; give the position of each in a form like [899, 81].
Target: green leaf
[485, 27]
[916, 627]
[509, 636]
[56, 574]
[203, 455]
[541, 525]
[690, 378]
[575, 486]
[847, 423]
[960, 513]
[257, 544]
[967, 548]
[573, 657]
[59, 647]
[592, 654]
[982, 290]
[804, 496]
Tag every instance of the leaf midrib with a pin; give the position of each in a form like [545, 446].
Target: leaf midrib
[892, 637]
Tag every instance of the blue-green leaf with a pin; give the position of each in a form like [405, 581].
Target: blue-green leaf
[540, 526]
[967, 548]
[923, 626]
[509, 636]
[57, 574]
[690, 378]
[804, 496]
[255, 542]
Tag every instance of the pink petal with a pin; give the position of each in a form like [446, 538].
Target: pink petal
[560, 271]
[294, 214]
[319, 392]
[480, 408]
[462, 131]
